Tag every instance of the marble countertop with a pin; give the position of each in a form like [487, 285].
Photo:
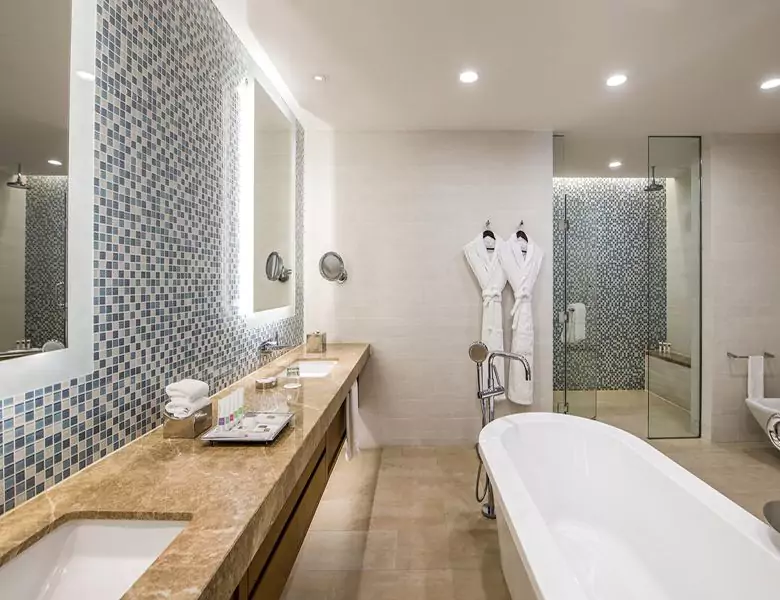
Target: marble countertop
[229, 494]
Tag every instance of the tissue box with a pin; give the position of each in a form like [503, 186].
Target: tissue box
[188, 428]
[316, 342]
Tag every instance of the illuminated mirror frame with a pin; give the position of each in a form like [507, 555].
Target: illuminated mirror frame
[37, 371]
[246, 94]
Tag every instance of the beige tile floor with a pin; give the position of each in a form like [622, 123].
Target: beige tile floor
[628, 410]
[402, 523]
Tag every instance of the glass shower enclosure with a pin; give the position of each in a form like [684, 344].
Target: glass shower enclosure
[627, 290]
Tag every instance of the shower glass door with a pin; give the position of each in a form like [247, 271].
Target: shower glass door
[576, 360]
[672, 358]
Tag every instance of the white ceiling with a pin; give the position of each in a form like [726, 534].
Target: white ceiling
[694, 65]
[34, 73]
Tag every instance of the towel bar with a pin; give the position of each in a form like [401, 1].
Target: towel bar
[731, 355]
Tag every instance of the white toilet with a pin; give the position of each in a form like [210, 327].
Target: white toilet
[767, 412]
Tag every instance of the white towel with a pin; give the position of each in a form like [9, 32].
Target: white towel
[358, 436]
[755, 377]
[180, 410]
[187, 389]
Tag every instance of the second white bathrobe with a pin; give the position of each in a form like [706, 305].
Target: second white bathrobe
[522, 272]
[492, 281]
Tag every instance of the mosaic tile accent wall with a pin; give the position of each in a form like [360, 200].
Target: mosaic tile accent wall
[166, 242]
[616, 265]
[44, 259]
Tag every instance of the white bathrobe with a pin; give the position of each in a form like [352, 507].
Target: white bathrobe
[492, 280]
[522, 272]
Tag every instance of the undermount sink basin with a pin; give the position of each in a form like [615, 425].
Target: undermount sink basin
[87, 560]
[314, 368]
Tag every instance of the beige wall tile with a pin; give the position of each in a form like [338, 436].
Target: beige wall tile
[741, 283]
[404, 204]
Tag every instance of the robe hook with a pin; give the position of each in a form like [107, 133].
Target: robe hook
[520, 234]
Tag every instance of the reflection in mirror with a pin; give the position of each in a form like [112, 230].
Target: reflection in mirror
[274, 203]
[33, 167]
[275, 270]
[332, 267]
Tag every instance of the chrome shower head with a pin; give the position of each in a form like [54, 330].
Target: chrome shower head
[19, 181]
[654, 186]
[478, 352]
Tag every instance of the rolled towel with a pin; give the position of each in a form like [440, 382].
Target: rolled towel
[182, 410]
[187, 388]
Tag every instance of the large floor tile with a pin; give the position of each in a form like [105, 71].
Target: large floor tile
[425, 547]
[479, 584]
[348, 550]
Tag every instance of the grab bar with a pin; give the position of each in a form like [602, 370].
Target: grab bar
[731, 355]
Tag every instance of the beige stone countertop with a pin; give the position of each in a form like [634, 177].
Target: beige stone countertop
[229, 494]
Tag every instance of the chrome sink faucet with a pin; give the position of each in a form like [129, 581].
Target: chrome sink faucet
[271, 345]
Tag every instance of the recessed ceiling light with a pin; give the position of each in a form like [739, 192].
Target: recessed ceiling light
[55, 162]
[616, 80]
[319, 78]
[468, 76]
[86, 75]
[770, 84]
[615, 164]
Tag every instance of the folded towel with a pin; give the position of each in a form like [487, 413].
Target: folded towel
[188, 388]
[180, 411]
[756, 377]
[358, 435]
[185, 402]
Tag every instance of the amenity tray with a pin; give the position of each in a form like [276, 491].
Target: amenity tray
[254, 428]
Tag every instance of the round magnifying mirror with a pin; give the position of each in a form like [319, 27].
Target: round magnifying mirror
[332, 267]
[478, 352]
[274, 268]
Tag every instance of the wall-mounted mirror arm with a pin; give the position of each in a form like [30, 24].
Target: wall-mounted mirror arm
[275, 269]
[332, 267]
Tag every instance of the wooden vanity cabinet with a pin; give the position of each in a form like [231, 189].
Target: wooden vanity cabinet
[271, 566]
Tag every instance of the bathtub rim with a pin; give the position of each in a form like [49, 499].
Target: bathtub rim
[548, 570]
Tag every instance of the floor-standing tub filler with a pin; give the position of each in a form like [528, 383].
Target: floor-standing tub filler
[589, 512]
[487, 392]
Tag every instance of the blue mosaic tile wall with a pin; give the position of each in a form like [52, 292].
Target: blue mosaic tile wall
[616, 266]
[46, 213]
[165, 242]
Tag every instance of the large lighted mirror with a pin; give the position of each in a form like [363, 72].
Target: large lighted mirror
[272, 206]
[47, 103]
[34, 174]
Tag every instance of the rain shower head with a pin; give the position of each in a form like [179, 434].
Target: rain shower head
[654, 186]
[18, 181]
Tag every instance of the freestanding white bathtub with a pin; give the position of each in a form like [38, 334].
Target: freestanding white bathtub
[588, 511]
